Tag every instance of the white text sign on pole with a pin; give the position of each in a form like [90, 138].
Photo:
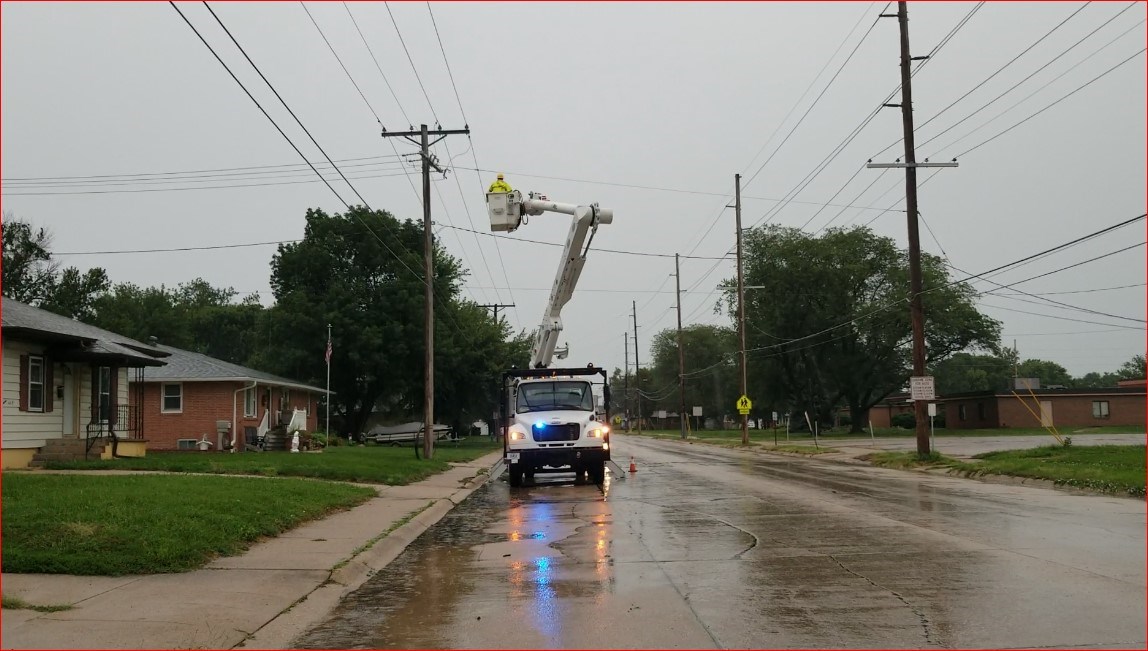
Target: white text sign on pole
[921, 388]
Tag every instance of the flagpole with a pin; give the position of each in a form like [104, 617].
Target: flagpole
[328, 384]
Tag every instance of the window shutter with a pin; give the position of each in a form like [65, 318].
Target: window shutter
[95, 394]
[23, 383]
[113, 399]
[49, 386]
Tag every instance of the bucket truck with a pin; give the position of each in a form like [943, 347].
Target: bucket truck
[549, 415]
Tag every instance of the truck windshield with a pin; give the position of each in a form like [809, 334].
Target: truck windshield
[551, 396]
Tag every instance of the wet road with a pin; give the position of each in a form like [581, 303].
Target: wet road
[706, 547]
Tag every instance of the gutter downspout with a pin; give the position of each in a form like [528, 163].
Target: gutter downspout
[234, 420]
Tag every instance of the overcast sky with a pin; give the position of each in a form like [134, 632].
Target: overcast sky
[675, 97]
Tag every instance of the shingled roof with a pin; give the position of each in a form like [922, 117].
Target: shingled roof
[187, 366]
[73, 339]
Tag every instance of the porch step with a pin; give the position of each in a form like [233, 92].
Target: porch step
[66, 450]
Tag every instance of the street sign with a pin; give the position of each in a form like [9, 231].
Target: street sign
[932, 409]
[697, 411]
[921, 388]
[744, 405]
[775, 416]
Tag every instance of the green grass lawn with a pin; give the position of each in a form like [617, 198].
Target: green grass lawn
[1107, 468]
[370, 464]
[143, 524]
[879, 432]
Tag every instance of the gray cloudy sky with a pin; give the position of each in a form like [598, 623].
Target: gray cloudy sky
[676, 97]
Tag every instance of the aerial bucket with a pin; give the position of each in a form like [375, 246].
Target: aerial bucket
[505, 209]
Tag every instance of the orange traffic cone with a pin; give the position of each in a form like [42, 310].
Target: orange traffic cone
[633, 466]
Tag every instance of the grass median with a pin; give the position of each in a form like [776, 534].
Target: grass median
[394, 466]
[146, 524]
[731, 438]
[1104, 468]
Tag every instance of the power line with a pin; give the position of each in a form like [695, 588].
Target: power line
[182, 248]
[1030, 76]
[260, 106]
[192, 173]
[412, 61]
[1073, 92]
[994, 74]
[344, 67]
[617, 251]
[377, 66]
[182, 189]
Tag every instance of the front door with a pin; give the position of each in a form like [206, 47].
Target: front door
[1046, 413]
[69, 412]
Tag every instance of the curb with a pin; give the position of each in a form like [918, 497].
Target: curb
[322, 601]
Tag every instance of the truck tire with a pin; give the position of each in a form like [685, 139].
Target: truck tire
[515, 476]
[597, 472]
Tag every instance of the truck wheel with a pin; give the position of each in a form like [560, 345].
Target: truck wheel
[598, 472]
[515, 476]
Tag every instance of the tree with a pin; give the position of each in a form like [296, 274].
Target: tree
[1095, 380]
[831, 321]
[1133, 369]
[75, 294]
[1049, 373]
[968, 372]
[712, 382]
[362, 272]
[29, 273]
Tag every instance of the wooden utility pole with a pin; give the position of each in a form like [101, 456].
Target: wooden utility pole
[681, 351]
[637, 369]
[740, 304]
[626, 383]
[424, 144]
[916, 311]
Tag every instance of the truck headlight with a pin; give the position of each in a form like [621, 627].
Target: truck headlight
[598, 432]
[517, 436]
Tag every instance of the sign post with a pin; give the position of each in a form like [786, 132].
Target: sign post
[932, 414]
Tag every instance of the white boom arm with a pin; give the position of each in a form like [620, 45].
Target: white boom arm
[506, 214]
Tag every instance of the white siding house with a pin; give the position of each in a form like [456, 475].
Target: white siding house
[65, 380]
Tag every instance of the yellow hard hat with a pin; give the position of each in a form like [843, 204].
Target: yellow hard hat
[499, 176]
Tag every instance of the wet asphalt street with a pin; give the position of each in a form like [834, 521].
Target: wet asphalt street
[706, 547]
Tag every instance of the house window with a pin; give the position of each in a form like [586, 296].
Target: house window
[1100, 409]
[35, 383]
[981, 410]
[186, 444]
[249, 403]
[104, 392]
[172, 398]
[961, 412]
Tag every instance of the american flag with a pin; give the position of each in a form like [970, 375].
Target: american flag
[327, 355]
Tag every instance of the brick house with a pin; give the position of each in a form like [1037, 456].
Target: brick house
[66, 388]
[1059, 407]
[195, 397]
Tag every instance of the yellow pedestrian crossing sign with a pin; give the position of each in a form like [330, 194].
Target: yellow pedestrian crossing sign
[744, 405]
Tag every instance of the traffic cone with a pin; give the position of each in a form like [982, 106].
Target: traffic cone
[633, 466]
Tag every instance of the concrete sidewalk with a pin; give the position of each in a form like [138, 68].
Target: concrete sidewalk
[261, 599]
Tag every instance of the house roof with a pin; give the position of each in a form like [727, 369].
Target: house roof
[74, 339]
[1074, 392]
[187, 366]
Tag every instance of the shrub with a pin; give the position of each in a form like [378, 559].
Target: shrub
[904, 421]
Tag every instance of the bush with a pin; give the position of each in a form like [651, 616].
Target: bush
[844, 421]
[904, 421]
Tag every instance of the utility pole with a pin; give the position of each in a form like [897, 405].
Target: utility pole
[424, 144]
[637, 369]
[740, 304]
[916, 311]
[626, 383]
[681, 352]
[496, 307]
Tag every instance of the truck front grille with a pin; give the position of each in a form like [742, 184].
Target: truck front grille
[560, 432]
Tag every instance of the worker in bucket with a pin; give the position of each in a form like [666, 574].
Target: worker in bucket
[499, 185]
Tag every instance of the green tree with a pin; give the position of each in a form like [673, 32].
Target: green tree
[831, 321]
[1095, 380]
[1049, 373]
[1133, 369]
[968, 372]
[29, 273]
[712, 382]
[32, 276]
[361, 272]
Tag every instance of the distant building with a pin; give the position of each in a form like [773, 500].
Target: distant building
[1123, 405]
